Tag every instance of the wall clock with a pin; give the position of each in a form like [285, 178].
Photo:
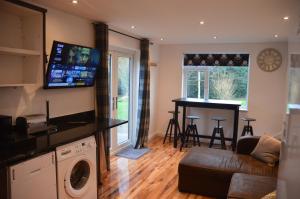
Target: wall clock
[269, 59]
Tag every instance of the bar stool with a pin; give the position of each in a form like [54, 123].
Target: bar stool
[248, 128]
[172, 123]
[191, 131]
[218, 130]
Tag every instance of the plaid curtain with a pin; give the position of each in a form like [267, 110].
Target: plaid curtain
[102, 95]
[144, 96]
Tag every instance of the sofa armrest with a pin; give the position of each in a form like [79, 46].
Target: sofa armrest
[246, 144]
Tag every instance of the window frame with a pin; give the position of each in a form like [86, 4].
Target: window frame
[206, 71]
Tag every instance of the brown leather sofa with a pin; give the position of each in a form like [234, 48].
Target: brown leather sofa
[208, 172]
[245, 186]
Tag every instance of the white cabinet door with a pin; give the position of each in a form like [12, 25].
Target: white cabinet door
[34, 179]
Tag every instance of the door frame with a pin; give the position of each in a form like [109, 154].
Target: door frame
[132, 93]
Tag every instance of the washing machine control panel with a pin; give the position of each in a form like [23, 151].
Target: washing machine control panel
[75, 148]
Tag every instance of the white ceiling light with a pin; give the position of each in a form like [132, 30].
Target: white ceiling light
[286, 18]
[201, 22]
[161, 39]
[215, 37]
[276, 36]
[75, 1]
[132, 27]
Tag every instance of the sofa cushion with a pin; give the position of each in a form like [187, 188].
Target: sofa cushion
[267, 150]
[201, 172]
[208, 171]
[250, 186]
[271, 195]
[223, 161]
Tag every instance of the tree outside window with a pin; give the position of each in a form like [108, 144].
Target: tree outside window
[221, 82]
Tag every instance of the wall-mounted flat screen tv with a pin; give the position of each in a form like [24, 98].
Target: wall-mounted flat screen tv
[71, 66]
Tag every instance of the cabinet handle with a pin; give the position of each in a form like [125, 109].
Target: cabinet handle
[13, 174]
[34, 171]
[53, 162]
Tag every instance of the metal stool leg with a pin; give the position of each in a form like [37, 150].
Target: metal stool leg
[212, 138]
[183, 137]
[244, 131]
[251, 130]
[247, 130]
[188, 130]
[223, 144]
[166, 135]
[194, 135]
[178, 129]
[197, 134]
[172, 129]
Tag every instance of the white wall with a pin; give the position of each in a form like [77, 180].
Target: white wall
[32, 99]
[154, 58]
[71, 29]
[266, 100]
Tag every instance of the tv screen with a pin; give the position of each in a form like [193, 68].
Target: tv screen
[71, 66]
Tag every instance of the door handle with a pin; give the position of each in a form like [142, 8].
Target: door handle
[113, 103]
[116, 103]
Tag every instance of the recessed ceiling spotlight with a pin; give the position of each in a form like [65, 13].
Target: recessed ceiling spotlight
[132, 27]
[201, 22]
[286, 18]
[75, 1]
[215, 37]
[161, 39]
[276, 36]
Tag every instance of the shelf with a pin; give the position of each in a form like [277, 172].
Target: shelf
[18, 51]
[17, 10]
[15, 85]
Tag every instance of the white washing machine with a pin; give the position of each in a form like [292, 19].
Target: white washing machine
[76, 170]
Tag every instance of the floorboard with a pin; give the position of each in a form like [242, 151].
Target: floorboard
[153, 176]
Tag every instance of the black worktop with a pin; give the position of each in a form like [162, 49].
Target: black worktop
[209, 103]
[20, 147]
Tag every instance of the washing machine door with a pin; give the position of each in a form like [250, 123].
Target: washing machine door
[78, 177]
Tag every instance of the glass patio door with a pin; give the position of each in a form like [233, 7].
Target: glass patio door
[120, 64]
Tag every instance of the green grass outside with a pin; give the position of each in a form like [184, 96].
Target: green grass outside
[123, 108]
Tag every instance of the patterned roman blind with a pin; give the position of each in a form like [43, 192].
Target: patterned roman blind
[241, 60]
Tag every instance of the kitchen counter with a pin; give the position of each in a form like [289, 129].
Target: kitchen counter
[22, 147]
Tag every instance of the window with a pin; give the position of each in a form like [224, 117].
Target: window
[213, 81]
[195, 81]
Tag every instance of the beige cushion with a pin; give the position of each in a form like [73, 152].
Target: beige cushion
[267, 150]
[271, 195]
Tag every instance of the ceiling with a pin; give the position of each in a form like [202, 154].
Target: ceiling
[178, 21]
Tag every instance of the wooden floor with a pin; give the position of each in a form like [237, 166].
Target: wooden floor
[152, 176]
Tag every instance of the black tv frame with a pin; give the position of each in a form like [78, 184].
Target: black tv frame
[47, 69]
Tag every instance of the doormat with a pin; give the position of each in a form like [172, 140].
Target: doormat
[132, 153]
